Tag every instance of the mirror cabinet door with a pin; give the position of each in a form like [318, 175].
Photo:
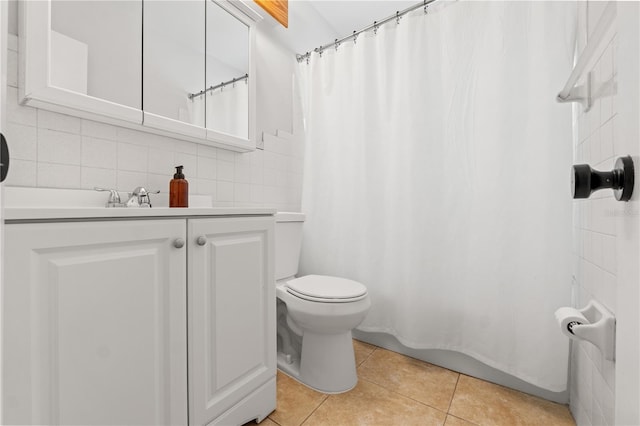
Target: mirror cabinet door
[174, 64]
[227, 97]
[96, 49]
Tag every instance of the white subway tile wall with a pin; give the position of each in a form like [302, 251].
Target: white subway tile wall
[60, 151]
[592, 378]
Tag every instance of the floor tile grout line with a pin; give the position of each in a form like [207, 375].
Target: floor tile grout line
[458, 376]
[377, 348]
[463, 419]
[422, 362]
[419, 361]
[453, 394]
[315, 409]
[405, 396]
[366, 359]
[325, 396]
[269, 417]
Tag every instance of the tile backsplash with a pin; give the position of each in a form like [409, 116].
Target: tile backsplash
[60, 151]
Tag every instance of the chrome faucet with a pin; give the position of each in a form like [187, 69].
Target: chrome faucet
[114, 197]
[140, 197]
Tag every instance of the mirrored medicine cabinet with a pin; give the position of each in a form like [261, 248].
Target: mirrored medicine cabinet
[180, 68]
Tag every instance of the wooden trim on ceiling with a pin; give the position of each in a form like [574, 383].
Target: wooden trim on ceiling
[279, 9]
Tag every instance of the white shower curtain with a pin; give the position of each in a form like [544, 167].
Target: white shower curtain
[437, 174]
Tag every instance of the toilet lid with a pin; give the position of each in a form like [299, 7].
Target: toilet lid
[322, 288]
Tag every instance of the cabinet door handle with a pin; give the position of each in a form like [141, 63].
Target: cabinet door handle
[178, 243]
[202, 240]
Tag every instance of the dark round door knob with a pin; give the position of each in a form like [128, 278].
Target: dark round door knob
[626, 178]
[4, 158]
[581, 181]
[585, 180]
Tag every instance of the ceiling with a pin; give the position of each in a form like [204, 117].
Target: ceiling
[317, 22]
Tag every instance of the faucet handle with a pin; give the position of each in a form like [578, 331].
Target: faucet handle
[114, 197]
[140, 197]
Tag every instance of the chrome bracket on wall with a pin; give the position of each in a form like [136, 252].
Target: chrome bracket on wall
[598, 41]
[580, 94]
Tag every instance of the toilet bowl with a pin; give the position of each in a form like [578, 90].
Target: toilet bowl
[316, 314]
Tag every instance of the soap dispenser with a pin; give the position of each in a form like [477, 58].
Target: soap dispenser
[178, 189]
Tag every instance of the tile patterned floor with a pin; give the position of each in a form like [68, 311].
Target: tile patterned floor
[397, 390]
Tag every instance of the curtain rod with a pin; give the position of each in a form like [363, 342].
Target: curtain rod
[374, 26]
[218, 86]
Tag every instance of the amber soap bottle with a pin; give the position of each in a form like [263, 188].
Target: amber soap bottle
[178, 190]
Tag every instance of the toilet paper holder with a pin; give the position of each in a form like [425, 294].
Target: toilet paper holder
[598, 329]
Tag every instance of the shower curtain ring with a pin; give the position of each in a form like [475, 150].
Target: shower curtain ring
[337, 44]
[320, 50]
[308, 55]
[397, 17]
[355, 37]
[375, 27]
[426, 6]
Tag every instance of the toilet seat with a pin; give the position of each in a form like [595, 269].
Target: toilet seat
[323, 288]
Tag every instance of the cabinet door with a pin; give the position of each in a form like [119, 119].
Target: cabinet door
[231, 312]
[95, 323]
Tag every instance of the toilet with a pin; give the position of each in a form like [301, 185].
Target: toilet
[316, 314]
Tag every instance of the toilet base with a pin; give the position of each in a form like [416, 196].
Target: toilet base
[327, 362]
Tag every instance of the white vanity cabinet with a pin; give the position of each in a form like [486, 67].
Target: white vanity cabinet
[103, 319]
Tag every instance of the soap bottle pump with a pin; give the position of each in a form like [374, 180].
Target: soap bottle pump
[178, 189]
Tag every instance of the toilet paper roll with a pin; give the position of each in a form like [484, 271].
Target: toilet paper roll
[566, 315]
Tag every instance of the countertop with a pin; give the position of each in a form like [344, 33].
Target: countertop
[44, 204]
[17, 214]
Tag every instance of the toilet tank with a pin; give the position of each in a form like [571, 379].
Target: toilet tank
[288, 238]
